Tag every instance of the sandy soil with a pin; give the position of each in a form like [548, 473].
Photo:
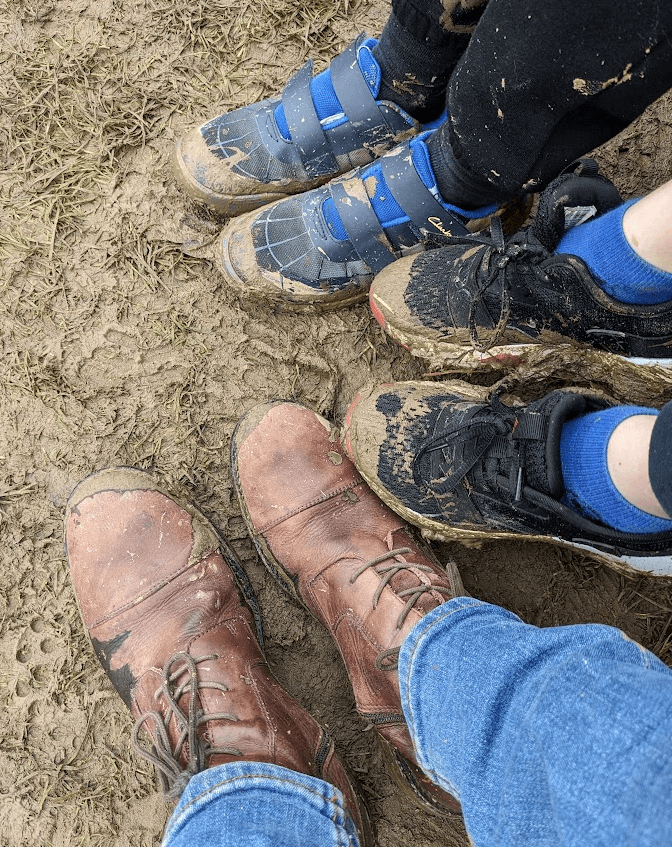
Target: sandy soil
[120, 348]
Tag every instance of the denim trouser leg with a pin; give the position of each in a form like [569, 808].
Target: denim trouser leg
[252, 804]
[559, 736]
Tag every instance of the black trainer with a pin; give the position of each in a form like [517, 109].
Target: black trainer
[496, 299]
[462, 465]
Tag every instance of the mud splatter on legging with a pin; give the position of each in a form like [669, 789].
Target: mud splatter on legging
[539, 82]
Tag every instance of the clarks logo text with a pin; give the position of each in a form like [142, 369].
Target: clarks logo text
[437, 223]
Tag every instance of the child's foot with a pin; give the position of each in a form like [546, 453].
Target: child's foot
[321, 249]
[316, 129]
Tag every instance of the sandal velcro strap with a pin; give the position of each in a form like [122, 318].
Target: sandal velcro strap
[364, 230]
[363, 227]
[356, 99]
[415, 198]
[366, 125]
[304, 125]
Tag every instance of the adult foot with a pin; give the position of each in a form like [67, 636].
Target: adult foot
[329, 542]
[461, 464]
[174, 623]
[489, 297]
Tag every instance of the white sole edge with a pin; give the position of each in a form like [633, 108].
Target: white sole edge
[655, 565]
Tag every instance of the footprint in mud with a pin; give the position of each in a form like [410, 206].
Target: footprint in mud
[22, 688]
[34, 655]
[199, 232]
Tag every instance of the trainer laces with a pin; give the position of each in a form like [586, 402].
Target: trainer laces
[502, 259]
[494, 439]
[173, 776]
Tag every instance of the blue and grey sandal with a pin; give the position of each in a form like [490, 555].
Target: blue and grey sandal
[319, 128]
[322, 248]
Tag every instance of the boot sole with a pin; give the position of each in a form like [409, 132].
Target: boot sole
[400, 768]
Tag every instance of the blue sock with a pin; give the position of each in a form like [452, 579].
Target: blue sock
[588, 484]
[387, 210]
[620, 272]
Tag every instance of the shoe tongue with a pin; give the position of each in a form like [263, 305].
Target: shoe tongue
[408, 580]
[368, 65]
[543, 469]
[571, 199]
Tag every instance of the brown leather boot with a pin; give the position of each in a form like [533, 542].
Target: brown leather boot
[170, 614]
[331, 543]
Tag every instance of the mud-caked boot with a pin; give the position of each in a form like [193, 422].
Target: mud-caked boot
[175, 624]
[334, 546]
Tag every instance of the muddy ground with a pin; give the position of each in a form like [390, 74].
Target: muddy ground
[119, 348]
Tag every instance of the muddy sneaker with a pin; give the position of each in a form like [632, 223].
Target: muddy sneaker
[331, 544]
[462, 465]
[321, 249]
[492, 299]
[318, 128]
[175, 624]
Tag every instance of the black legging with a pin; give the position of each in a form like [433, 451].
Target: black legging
[540, 83]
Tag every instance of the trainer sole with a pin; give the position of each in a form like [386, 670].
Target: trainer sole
[465, 358]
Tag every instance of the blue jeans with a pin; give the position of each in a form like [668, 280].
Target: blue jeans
[559, 736]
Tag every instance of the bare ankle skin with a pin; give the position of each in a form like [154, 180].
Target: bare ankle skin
[647, 225]
[628, 463]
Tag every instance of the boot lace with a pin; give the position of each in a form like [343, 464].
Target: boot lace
[388, 660]
[173, 776]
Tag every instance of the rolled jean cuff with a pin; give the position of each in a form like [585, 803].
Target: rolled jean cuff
[256, 804]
